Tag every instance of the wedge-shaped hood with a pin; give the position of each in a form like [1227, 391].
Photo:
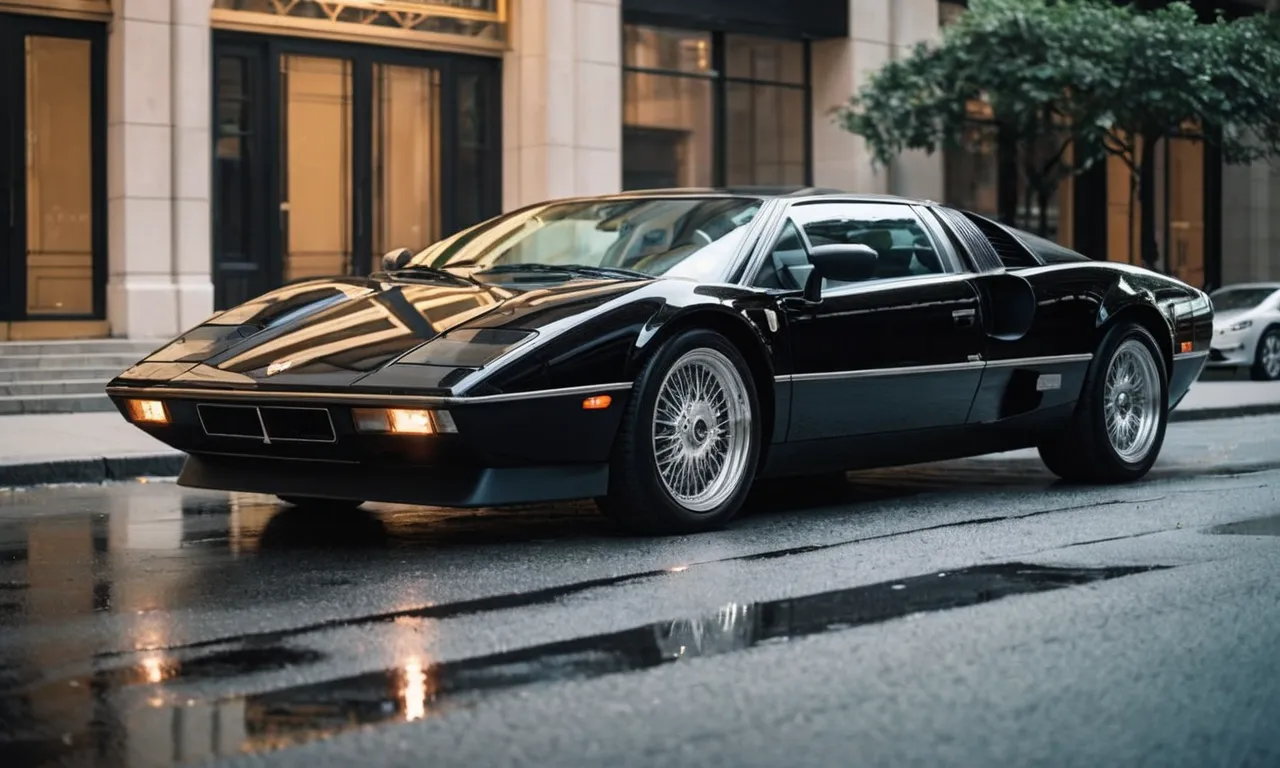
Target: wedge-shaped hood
[333, 332]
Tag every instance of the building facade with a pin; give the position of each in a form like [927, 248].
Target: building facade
[165, 158]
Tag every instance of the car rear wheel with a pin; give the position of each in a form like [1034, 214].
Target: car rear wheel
[1266, 361]
[321, 505]
[689, 442]
[1119, 423]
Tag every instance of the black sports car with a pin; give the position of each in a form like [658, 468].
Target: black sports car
[660, 351]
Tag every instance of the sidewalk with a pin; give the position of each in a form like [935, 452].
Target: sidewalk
[94, 447]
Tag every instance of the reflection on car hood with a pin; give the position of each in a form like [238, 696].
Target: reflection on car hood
[332, 332]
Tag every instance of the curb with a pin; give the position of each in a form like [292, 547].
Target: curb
[1224, 412]
[94, 470]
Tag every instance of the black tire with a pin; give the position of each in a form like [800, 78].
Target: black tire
[638, 498]
[321, 505]
[1084, 453]
[1258, 371]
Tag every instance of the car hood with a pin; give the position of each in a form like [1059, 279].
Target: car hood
[333, 332]
[1225, 319]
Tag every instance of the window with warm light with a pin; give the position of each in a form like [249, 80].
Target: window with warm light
[713, 109]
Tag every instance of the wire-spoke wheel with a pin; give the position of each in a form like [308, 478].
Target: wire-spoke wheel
[1118, 426]
[689, 441]
[700, 428]
[1266, 364]
[1129, 402]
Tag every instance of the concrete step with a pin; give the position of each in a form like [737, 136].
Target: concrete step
[10, 405]
[120, 362]
[21, 375]
[64, 387]
[140, 348]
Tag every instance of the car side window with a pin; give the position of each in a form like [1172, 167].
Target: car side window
[903, 246]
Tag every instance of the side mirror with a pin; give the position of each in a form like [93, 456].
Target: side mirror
[393, 260]
[843, 263]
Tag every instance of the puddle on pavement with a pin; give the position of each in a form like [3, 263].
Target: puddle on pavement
[418, 689]
[1258, 526]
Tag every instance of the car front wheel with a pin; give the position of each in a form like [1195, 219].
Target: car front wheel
[1266, 361]
[1119, 423]
[689, 442]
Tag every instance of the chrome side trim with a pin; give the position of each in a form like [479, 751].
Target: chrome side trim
[911, 370]
[1191, 355]
[1020, 362]
[197, 393]
[869, 373]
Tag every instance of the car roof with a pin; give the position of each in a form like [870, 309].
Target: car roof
[781, 192]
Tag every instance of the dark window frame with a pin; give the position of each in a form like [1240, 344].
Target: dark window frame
[947, 257]
[720, 81]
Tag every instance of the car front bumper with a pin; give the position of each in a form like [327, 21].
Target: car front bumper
[498, 451]
[1233, 350]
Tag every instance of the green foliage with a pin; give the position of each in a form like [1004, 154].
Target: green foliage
[1092, 75]
[1091, 70]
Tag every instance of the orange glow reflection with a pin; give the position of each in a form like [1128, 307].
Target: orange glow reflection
[153, 668]
[414, 693]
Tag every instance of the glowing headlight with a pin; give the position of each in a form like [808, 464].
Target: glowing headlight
[146, 411]
[403, 421]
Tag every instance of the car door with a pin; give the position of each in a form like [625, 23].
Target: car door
[899, 351]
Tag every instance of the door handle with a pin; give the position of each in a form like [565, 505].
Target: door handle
[964, 317]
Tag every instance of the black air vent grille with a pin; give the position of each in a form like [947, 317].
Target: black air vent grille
[984, 256]
[1012, 253]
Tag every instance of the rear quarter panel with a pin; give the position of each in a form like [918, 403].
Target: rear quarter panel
[1076, 305]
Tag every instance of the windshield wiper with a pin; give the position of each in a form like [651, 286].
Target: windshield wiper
[422, 270]
[569, 269]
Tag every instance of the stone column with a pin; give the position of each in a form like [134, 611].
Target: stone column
[878, 31]
[158, 167]
[191, 82]
[562, 101]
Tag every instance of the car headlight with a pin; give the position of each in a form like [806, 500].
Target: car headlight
[1240, 326]
[468, 347]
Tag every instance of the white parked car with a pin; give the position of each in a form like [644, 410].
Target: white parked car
[1246, 329]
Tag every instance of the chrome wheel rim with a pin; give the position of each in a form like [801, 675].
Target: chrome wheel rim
[702, 430]
[1271, 355]
[1132, 407]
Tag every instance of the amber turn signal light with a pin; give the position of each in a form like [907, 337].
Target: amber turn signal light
[147, 411]
[597, 403]
[1186, 346]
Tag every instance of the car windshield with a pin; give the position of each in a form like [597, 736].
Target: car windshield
[1228, 299]
[692, 237]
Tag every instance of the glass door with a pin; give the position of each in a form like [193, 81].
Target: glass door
[330, 154]
[406, 157]
[242, 267]
[317, 202]
[52, 146]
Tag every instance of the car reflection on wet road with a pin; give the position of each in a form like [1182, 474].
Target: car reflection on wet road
[967, 613]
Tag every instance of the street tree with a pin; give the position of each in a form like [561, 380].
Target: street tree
[1089, 77]
[1019, 65]
[1178, 78]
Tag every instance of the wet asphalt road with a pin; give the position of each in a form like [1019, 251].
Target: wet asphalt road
[964, 613]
